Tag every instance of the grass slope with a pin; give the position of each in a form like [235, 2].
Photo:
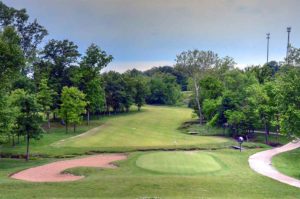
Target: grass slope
[234, 180]
[288, 163]
[155, 127]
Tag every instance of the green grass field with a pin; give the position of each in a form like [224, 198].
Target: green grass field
[288, 163]
[234, 180]
[218, 173]
[156, 127]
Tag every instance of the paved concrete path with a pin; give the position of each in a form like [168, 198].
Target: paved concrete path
[261, 163]
[53, 172]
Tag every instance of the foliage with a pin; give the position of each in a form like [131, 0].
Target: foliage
[163, 90]
[12, 59]
[73, 105]
[28, 119]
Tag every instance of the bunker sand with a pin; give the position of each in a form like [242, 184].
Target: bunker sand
[53, 172]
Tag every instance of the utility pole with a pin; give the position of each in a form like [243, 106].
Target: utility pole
[268, 45]
[288, 45]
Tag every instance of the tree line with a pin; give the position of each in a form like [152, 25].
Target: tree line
[257, 97]
[54, 82]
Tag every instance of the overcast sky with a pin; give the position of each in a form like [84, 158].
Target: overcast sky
[146, 33]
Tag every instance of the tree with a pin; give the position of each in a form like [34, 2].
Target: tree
[163, 89]
[31, 34]
[95, 97]
[194, 64]
[114, 91]
[88, 77]
[12, 59]
[141, 93]
[235, 119]
[73, 105]
[7, 119]
[28, 120]
[45, 99]
[288, 92]
[293, 56]
[260, 101]
[181, 78]
[59, 56]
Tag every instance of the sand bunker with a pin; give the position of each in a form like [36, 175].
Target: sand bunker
[53, 172]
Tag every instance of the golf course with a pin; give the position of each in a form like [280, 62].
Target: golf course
[137, 99]
[163, 174]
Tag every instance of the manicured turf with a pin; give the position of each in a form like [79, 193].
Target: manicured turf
[155, 127]
[222, 173]
[179, 162]
[234, 180]
[288, 163]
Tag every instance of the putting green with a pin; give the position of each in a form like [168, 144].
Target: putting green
[178, 162]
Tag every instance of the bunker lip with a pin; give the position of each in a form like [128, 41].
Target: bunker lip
[54, 172]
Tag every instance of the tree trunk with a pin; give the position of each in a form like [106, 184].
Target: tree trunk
[266, 133]
[74, 128]
[139, 108]
[27, 148]
[13, 140]
[277, 129]
[48, 120]
[88, 117]
[197, 98]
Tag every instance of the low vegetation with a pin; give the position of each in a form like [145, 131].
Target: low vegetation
[288, 163]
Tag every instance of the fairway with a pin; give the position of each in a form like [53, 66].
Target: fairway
[179, 162]
[154, 127]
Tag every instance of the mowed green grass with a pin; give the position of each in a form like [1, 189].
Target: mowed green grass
[179, 162]
[288, 163]
[234, 180]
[154, 127]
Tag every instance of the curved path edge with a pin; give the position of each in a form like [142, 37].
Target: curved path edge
[261, 162]
[53, 172]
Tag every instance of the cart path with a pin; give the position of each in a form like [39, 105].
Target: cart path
[53, 172]
[262, 163]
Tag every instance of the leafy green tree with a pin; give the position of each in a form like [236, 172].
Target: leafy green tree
[59, 56]
[88, 77]
[28, 120]
[95, 97]
[129, 91]
[114, 91]
[260, 101]
[194, 64]
[45, 99]
[181, 78]
[288, 92]
[235, 119]
[12, 59]
[31, 33]
[72, 107]
[7, 119]
[293, 56]
[163, 90]
[142, 90]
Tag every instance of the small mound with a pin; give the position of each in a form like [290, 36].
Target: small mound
[178, 162]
